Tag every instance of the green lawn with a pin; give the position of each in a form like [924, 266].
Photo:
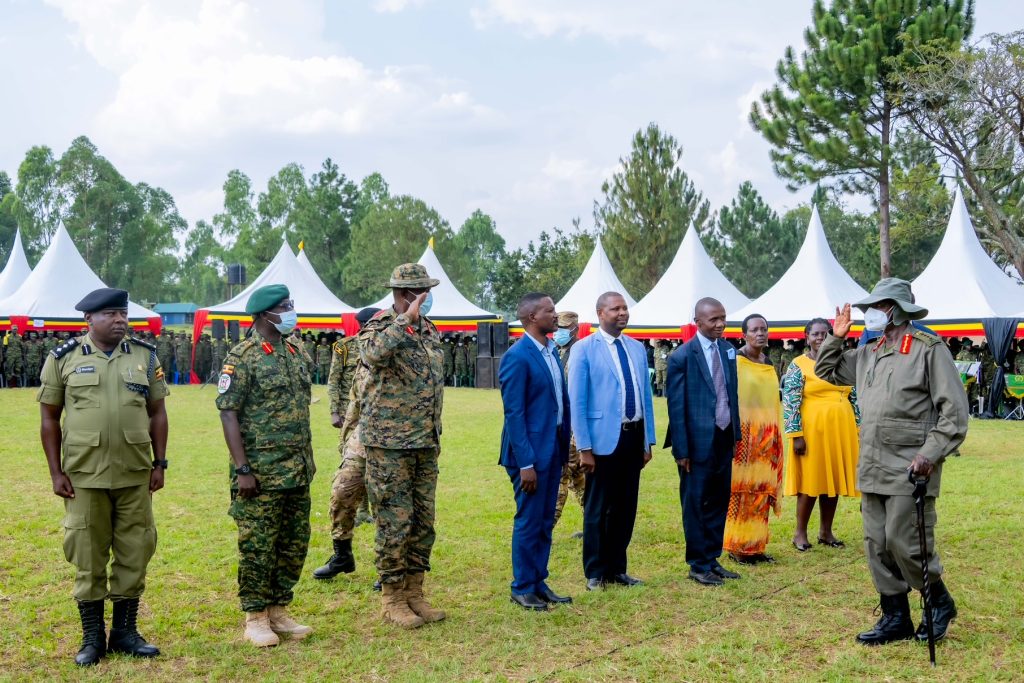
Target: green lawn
[792, 621]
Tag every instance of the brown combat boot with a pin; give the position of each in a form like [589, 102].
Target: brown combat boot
[396, 609]
[281, 623]
[418, 603]
[258, 631]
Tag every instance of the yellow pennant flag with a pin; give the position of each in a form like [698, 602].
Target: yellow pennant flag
[431, 242]
[302, 245]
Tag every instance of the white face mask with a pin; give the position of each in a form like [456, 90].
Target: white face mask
[876, 320]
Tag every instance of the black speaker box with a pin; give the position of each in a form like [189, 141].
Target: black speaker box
[499, 339]
[233, 331]
[483, 339]
[486, 372]
[218, 329]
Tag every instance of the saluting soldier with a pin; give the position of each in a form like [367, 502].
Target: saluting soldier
[348, 490]
[913, 414]
[400, 426]
[263, 398]
[111, 389]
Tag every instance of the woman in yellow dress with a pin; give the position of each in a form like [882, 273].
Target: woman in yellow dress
[821, 420]
[757, 463]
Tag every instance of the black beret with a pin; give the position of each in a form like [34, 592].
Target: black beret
[103, 299]
[365, 314]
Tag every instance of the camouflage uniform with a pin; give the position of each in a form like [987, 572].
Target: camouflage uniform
[461, 363]
[323, 362]
[400, 426]
[15, 359]
[573, 478]
[309, 346]
[348, 490]
[471, 350]
[661, 351]
[448, 348]
[165, 351]
[218, 352]
[204, 357]
[268, 385]
[33, 360]
[182, 360]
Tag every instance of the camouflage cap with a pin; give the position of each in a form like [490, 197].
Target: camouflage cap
[568, 319]
[412, 276]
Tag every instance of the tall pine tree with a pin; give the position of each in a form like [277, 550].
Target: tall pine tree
[833, 113]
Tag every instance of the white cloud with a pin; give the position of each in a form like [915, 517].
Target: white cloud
[199, 71]
[395, 6]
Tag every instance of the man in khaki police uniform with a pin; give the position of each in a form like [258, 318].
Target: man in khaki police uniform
[111, 390]
[913, 414]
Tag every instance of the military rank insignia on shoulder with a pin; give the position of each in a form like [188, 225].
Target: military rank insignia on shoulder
[64, 349]
[929, 339]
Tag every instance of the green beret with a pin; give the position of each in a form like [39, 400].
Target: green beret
[265, 298]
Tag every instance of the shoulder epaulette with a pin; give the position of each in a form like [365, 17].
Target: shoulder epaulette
[65, 348]
[381, 313]
[242, 346]
[929, 339]
[146, 344]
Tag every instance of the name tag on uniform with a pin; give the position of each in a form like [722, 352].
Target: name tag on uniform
[730, 353]
[85, 369]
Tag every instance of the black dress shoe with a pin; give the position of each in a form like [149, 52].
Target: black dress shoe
[625, 579]
[530, 601]
[706, 578]
[578, 535]
[550, 596]
[595, 584]
[724, 573]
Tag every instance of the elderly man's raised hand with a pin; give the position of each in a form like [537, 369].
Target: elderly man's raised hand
[841, 326]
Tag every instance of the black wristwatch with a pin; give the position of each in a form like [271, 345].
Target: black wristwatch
[244, 469]
[162, 464]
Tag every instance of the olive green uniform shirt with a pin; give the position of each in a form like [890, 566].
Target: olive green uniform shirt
[402, 402]
[268, 385]
[105, 432]
[911, 401]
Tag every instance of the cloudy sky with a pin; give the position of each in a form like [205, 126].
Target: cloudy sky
[518, 107]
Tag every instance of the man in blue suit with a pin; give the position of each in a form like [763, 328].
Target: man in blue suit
[704, 426]
[534, 447]
[613, 421]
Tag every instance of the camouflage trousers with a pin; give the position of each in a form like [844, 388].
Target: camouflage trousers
[401, 483]
[659, 379]
[273, 536]
[572, 479]
[348, 491]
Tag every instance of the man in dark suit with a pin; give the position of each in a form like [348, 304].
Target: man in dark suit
[534, 447]
[613, 422]
[704, 426]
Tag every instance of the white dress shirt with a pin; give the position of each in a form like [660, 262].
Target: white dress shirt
[637, 394]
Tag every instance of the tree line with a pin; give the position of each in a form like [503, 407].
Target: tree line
[889, 100]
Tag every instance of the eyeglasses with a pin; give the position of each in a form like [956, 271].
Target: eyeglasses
[286, 305]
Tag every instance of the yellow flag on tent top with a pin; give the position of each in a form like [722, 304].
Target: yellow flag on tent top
[302, 245]
[431, 241]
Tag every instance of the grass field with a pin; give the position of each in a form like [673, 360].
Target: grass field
[792, 621]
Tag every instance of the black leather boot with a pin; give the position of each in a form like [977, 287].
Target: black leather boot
[943, 609]
[124, 633]
[342, 561]
[894, 625]
[94, 636]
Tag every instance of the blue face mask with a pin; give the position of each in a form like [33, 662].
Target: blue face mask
[562, 336]
[427, 304]
[288, 321]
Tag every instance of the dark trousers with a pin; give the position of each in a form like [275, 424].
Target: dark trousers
[704, 495]
[531, 530]
[609, 505]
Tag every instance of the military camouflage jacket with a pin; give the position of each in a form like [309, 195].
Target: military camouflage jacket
[268, 385]
[401, 407]
[344, 359]
[911, 401]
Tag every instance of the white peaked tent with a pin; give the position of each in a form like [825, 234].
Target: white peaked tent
[16, 271]
[812, 287]
[691, 276]
[304, 262]
[59, 281]
[597, 277]
[961, 282]
[312, 297]
[450, 310]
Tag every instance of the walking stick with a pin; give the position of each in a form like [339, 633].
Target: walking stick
[920, 488]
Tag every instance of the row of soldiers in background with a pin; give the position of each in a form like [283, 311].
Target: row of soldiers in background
[23, 354]
[459, 359]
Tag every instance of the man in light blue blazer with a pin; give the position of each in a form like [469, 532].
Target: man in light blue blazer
[534, 447]
[612, 411]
